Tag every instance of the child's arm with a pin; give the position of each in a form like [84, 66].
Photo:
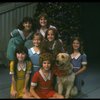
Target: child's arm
[13, 84]
[27, 76]
[14, 91]
[33, 93]
[84, 64]
[26, 82]
[82, 69]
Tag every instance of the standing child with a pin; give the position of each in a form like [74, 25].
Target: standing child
[20, 70]
[43, 24]
[20, 35]
[34, 52]
[78, 60]
[42, 81]
[52, 43]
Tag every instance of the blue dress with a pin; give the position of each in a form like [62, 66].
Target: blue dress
[34, 56]
[78, 62]
[17, 37]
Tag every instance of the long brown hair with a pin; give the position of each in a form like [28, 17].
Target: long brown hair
[81, 49]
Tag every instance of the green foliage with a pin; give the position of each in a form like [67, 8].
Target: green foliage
[65, 16]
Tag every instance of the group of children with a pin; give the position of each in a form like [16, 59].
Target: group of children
[32, 57]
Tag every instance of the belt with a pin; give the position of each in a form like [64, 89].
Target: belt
[36, 66]
[21, 78]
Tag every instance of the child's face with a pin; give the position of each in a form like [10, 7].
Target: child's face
[21, 56]
[43, 21]
[50, 35]
[46, 65]
[36, 41]
[76, 44]
[27, 26]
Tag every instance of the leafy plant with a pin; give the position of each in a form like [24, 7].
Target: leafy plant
[65, 16]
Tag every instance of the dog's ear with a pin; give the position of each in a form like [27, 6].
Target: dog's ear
[69, 57]
[62, 56]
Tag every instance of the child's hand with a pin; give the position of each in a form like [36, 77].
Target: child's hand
[14, 93]
[25, 91]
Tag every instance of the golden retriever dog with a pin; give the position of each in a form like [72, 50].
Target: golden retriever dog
[65, 82]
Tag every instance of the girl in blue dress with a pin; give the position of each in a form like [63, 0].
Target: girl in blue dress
[34, 52]
[78, 60]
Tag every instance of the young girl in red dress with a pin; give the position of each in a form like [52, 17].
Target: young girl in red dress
[42, 81]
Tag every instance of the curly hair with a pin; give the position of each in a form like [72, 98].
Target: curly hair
[46, 56]
[55, 32]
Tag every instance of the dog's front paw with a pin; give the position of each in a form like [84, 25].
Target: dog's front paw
[66, 96]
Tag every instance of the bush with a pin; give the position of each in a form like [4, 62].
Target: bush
[65, 16]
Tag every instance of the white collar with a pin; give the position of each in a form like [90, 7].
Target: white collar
[49, 76]
[33, 51]
[22, 34]
[42, 32]
[75, 57]
[21, 68]
[51, 26]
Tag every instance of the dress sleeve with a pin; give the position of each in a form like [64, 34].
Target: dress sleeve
[35, 79]
[84, 59]
[11, 67]
[29, 67]
[14, 33]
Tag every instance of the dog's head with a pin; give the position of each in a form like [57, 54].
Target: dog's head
[62, 60]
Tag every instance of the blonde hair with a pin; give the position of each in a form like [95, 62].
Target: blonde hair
[38, 34]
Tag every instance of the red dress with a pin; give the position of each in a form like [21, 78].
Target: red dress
[43, 86]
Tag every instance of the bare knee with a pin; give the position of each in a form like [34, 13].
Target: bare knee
[61, 97]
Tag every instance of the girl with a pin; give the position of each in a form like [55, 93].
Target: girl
[42, 81]
[19, 35]
[78, 60]
[52, 43]
[43, 24]
[20, 70]
[34, 52]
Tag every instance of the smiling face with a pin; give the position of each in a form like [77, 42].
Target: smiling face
[27, 26]
[46, 65]
[36, 41]
[76, 44]
[50, 35]
[43, 21]
[21, 56]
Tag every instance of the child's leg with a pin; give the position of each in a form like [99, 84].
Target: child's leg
[78, 83]
[27, 96]
[59, 96]
[12, 97]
